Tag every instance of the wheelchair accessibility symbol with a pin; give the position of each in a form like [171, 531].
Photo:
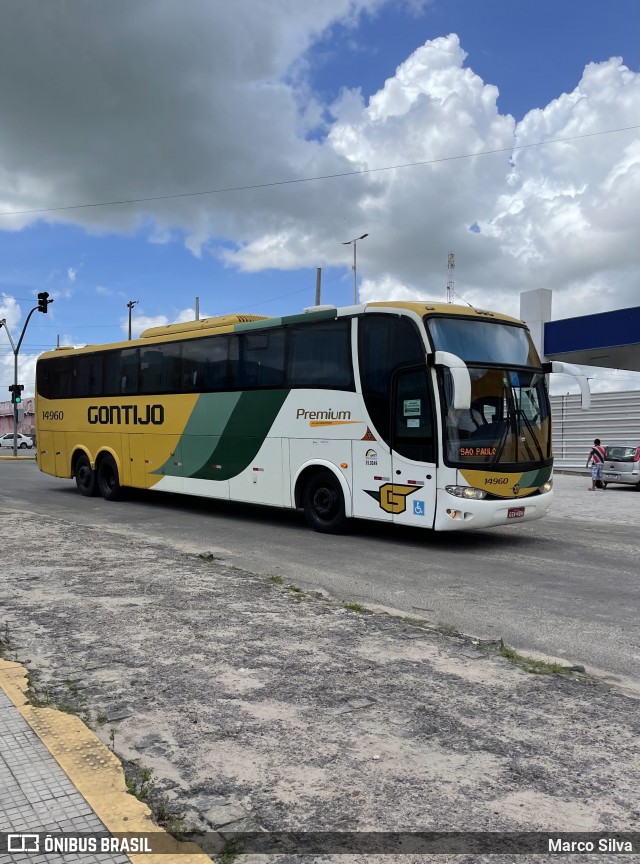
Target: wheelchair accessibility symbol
[418, 508]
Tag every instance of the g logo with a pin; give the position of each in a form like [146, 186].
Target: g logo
[392, 497]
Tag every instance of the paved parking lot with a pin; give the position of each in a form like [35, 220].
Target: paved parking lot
[257, 704]
[617, 504]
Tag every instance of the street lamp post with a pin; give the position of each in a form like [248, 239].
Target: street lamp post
[130, 306]
[355, 280]
[16, 390]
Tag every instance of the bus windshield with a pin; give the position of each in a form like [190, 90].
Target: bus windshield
[479, 341]
[508, 423]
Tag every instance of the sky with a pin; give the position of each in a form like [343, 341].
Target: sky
[221, 115]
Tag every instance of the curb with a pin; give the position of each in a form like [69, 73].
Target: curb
[94, 770]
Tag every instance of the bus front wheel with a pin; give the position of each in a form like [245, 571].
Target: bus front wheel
[85, 476]
[324, 503]
[108, 480]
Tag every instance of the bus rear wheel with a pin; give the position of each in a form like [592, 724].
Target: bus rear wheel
[85, 476]
[108, 480]
[324, 503]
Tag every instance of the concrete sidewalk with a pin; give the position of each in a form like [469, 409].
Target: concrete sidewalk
[37, 796]
[52, 770]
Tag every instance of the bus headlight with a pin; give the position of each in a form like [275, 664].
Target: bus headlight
[465, 492]
[547, 487]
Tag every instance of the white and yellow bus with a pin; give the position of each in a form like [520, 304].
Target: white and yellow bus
[423, 414]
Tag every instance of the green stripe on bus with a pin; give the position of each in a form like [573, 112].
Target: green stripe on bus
[299, 318]
[243, 435]
[530, 479]
[224, 434]
[270, 323]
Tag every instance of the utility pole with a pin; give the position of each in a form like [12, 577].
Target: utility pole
[197, 308]
[450, 285]
[355, 279]
[130, 306]
[16, 389]
[318, 284]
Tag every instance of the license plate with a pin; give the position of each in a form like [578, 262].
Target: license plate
[515, 512]
[610, 476]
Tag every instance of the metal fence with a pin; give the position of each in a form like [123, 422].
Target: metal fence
[613, 418]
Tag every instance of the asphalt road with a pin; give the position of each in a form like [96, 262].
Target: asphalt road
[563, 587]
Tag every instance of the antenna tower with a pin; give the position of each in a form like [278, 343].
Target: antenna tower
[450, 267]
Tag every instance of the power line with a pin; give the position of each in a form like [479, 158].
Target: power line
[311, 179]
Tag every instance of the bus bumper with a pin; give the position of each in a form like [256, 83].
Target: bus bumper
[459, 514]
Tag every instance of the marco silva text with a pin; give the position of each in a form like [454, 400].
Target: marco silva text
[602, 844]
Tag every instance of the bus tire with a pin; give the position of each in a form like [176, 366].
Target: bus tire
[324, 503]
[108, 480]
[85, 476]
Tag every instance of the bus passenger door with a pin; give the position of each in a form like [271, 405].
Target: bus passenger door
[411, 496]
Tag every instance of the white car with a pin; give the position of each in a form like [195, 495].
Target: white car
[23, 441]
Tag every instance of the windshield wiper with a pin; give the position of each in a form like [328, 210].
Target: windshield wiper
[535, 440]
[508, 421]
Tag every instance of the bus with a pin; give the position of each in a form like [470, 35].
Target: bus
[423, 414]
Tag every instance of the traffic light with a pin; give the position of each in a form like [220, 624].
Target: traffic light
[43, 301]
[16, 393]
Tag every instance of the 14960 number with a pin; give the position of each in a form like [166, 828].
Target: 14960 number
[53, 415]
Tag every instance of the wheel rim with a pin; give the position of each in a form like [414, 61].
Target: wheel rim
[325, 503]
[109, 478]
[84, 475]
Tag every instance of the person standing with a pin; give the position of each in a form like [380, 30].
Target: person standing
[596, 460]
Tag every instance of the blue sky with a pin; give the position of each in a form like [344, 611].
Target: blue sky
[98, 107]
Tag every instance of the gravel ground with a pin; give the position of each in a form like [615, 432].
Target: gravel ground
[257, 705]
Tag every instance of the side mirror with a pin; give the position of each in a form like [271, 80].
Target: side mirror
[556, 366]
[459, 375]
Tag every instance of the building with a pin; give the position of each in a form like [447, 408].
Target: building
[614, 418]
[27, 410]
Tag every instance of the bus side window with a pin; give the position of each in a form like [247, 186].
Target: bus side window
[160, 368]
[121, 372]
[87, 380]
[204, 364]
[258, 360]
[320, 355]
[62, 384]
[385, 343]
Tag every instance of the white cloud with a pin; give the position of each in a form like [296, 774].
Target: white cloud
[72, 274]
[162, 98]
[102, 289]
[11, 312]
[560, 216]
[140, 321]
